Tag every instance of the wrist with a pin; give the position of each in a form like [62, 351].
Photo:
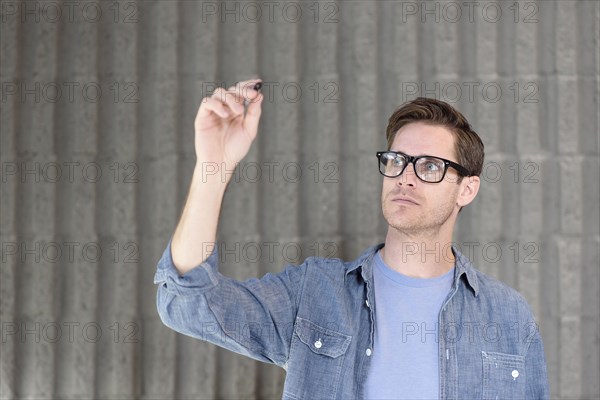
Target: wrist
[212, 173]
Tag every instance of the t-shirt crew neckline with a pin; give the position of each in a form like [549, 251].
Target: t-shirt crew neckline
[410, 281]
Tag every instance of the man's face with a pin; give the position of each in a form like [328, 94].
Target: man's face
[411, 205]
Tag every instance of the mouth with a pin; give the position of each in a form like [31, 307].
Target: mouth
[404, 200]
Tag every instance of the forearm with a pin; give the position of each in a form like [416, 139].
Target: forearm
[224, 131]
[195, 235]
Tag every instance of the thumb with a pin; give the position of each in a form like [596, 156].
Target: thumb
[253, 113]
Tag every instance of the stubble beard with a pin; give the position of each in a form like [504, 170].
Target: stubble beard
[418, 222]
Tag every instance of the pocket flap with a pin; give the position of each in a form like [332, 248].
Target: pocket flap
[503, 360]
[321, 340]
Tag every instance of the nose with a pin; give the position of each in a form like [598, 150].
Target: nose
[408, 176]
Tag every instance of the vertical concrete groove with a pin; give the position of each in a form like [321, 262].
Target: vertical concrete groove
[11, 34]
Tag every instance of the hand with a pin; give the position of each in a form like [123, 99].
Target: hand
[223, 134]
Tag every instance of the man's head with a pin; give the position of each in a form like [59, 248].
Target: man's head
[413, 202]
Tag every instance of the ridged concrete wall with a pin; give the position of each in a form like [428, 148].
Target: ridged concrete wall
[98, 102]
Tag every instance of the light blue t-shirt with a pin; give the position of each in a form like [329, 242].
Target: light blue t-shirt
[405, 353]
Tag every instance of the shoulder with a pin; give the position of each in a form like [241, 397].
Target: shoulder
[492, 295]
[326, 275]
[492, 286]
[502, 298]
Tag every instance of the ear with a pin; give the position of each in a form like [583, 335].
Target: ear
[468, 190]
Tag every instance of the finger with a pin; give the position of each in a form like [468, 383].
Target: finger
[247, 91]
[248, 83]
[225, 103]
[253, 114]
[244, 92]
[213, 105]
[233, 100]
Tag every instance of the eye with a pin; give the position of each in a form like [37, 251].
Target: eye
[431, 166]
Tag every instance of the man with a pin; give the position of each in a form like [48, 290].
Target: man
[408, 319]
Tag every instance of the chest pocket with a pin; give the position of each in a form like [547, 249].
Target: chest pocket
[503, 376]
[316, 360]
[321, 340]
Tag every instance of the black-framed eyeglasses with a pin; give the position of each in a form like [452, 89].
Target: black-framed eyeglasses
[427, 168]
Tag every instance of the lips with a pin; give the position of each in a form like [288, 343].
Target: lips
[404, 200]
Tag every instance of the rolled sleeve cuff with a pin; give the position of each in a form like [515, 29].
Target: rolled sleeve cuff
[194, 282]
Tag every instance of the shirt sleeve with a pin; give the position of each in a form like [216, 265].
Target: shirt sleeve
[254, 318]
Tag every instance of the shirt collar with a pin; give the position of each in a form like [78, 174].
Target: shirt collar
[462, 265]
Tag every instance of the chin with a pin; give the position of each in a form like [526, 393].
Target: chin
[401, 222]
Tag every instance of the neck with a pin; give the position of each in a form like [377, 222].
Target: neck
[418, 254]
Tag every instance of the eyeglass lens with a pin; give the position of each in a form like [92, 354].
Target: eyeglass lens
[429, 169]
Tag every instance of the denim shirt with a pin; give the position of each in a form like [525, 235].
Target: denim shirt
[317, 320]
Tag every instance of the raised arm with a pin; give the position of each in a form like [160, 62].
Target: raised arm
[223, 135]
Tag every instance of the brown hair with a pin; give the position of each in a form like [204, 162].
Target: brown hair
[467, 146]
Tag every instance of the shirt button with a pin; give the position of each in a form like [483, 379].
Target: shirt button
[318, 344]
[515, 374]
[369, 352]
[367, 303]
